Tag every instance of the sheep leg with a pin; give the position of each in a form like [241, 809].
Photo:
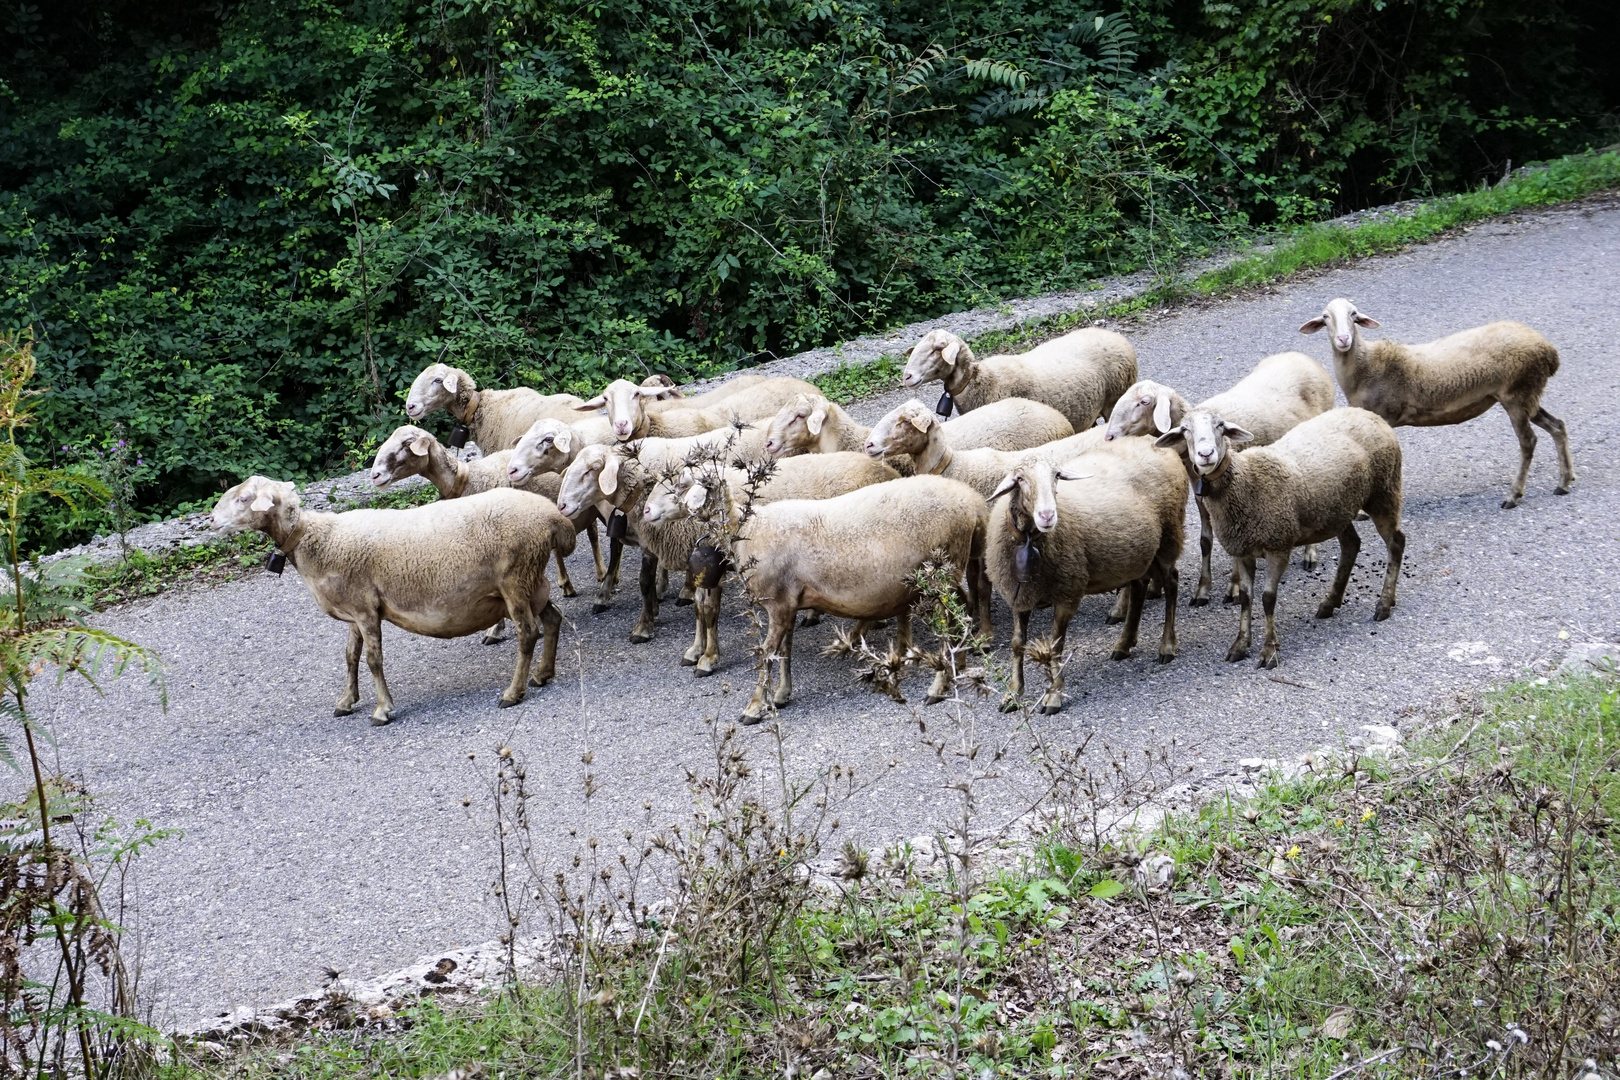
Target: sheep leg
[551, 620]
[520, 609]
[564, 582]
[784, 675]
[812, 617]
[1553, 426]
[1276, 563]
[351, 657]
[1527, 450]
[663, 582]
[1137, 592]
[1167, 637]
[1155, 589]
[1312, 557]
[688, 594]
[1020, 635]
[695, 650]
[1395, 541]
[1349, 546]
[596, 550]
[643, 630]
[1121, 608]
[1234, 585]
[495, 634]
[610, 583]
[1206, 545]
[708, 605]
[986, 627]
[780, 617]
[384, 711]
[1240, 645]
[1052, 700]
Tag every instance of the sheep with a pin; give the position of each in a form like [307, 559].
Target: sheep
[1118, 525]
[626, 406]
[443, 570]
[1080, 374]
[1451, 380]
[1282, 390]
[813, 425]
[1304, 488]
[494, 419]
[410, 451]
[852, 556]
[915, 431]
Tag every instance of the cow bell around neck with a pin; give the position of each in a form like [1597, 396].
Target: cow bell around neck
[945, 405]
[458, 436]
[276, 563]
[617, 525]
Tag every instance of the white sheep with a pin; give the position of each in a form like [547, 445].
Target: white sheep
[1081, 374]
[444, 570]
[1282, 391]
[810, 424]
[1451, 380]
[1305, 488]
[1119, 523]
[494, 419]
[914, 431]
[671, 524]
[627, 407]
[853, 556]
[411, 451]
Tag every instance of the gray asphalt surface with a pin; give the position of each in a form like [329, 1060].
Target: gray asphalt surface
[311, 841]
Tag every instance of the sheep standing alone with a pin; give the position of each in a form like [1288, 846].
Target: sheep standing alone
[1451, 380]
[1306, 487]
[1117, 523]
[1080, 374]
[673, 527]
[627, 407]
[1283, 391]
[410, 451]
[444, 570]
[494, 419]
[853, 556]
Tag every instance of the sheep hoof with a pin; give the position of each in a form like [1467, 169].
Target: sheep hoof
[539, 680]
[749, 719]
[683, 601]
[1236, 653]
[494, 639]
[1310, 564]
[1009, 704]
[933, 699]
[1561, 489]
[703, 671]
[687, 660]
[508, 702]
[599, 607]
[343, 710]
[1509, 504]
[1382, 611]
[1232, 598]
[1268, 658]
[640, 637]
[1048, 709]
[1120, 654]
[381, 719]
[1198, 601]
[1166, 657]
[569, 590]
[1326, 609]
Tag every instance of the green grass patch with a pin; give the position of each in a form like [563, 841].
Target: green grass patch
[142, 575]
[852, 382]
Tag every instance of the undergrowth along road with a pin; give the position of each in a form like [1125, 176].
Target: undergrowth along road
[310, 841]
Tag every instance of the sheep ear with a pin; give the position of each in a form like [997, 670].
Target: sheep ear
[1161, 412]
[562, 440]
[817, 417]
[608, 481]
[652, 391]
[696, 496]
[1008, 482]
[592, 405]
[921, 419]
[1235, 434]
[950, 352]
[262, 503]
[452, 380]
[1313, 326]
[419, 445]
[1171, 437]
[1368, 321]
[1064, 474]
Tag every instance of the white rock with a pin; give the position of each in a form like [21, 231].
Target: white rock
[1591, 658]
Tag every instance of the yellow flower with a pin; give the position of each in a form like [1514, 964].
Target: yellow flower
[1338, 823]
[1367, 815]
[1293, 852]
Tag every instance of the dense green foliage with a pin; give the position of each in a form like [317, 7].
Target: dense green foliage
[238, 230]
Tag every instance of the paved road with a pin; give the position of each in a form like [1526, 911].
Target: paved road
[312, 841]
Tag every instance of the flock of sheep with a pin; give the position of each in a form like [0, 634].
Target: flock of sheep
[1063, 477]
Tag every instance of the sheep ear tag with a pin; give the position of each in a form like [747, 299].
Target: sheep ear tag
[617, 524]
[705, 565]
[458, 436]
[946, 404]
[1026, 560]
[276, 563]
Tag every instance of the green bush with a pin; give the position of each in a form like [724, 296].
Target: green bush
[238, 231]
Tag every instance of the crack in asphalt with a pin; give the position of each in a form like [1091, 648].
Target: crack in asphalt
[309, 841]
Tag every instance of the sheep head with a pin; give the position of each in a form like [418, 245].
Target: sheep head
[937, 357]
[1145, 409]
[667, 390]
[1033, 490]
[795, 428]
[258, 504]
[548, 446]
[593, 477]
[1203, 438]
[1341, 319]
[436, 388]
[405, 453]
[906, 430]
[626, 407]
